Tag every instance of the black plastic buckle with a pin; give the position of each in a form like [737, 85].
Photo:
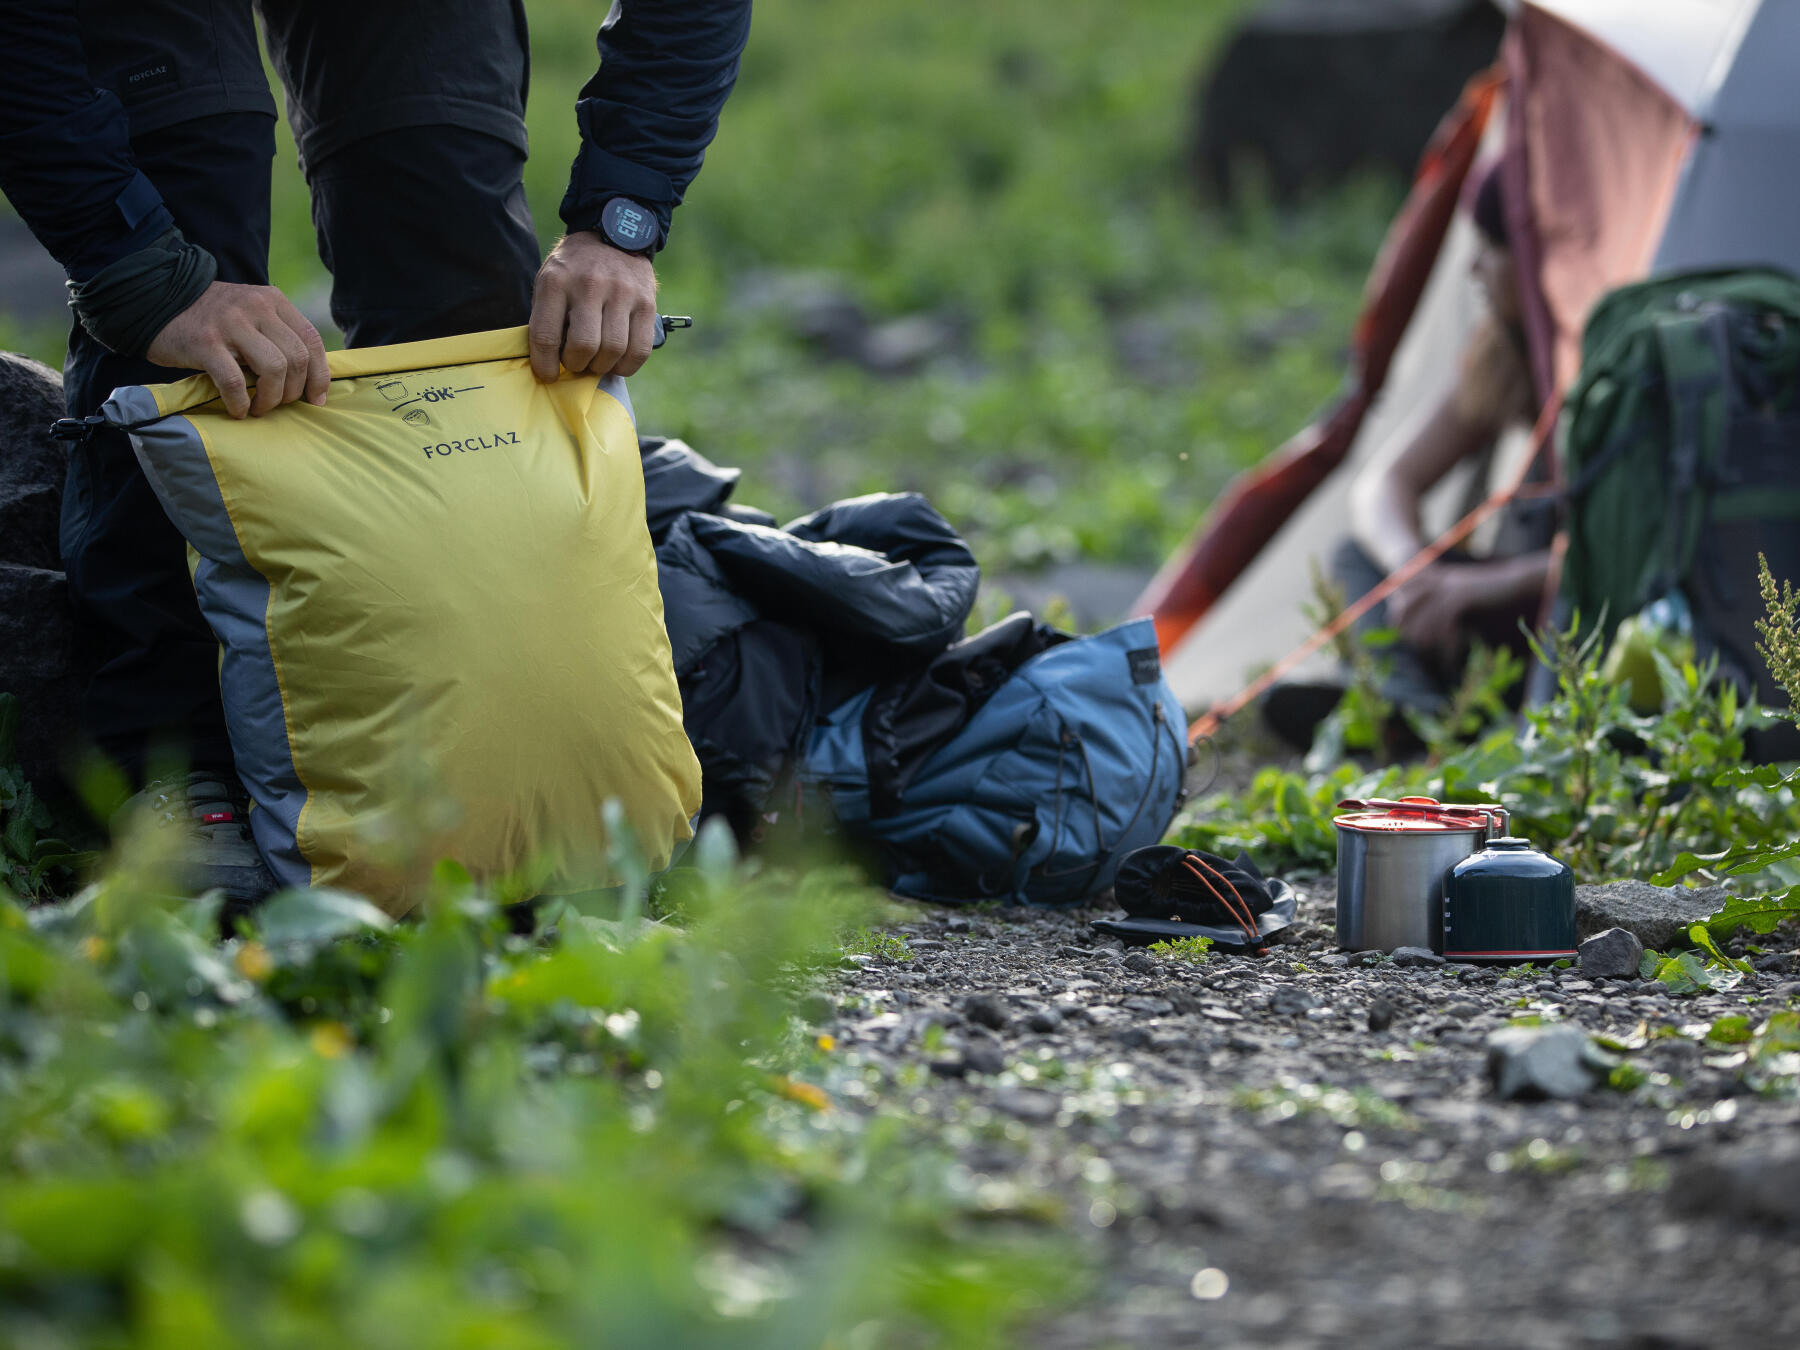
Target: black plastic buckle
[76, 429]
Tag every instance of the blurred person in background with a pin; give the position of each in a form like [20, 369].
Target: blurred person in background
[136, 138]
[1462, 597]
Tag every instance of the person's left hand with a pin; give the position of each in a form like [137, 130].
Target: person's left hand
[1428, 610]
[593, 309]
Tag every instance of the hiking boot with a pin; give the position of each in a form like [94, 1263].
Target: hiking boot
[213, 811]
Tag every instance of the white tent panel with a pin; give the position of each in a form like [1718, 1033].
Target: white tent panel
[1259, 619]
[1681, 44]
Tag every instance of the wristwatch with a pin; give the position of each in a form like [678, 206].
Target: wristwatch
[629, 226]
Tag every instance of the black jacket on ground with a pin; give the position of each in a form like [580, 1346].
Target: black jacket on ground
[771, 627]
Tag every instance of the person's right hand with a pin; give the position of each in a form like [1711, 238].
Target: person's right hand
[233, 330]
[1429, 609]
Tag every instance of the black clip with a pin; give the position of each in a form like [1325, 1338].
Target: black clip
[76, 429]
[666, 324]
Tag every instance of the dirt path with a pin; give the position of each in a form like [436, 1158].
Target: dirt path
[1256, 1166]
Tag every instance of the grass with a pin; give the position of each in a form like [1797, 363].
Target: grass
[1194, 951]
[873, 942]
[600, 1130]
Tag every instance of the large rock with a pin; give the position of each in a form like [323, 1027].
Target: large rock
[1316, 90]
[1658, 916]
[36, 633]
[32, 462]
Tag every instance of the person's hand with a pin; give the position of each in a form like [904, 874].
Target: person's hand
[593, 309]
[232, 330]
[1428, 610]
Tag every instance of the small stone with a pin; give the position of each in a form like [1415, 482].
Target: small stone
[1028, 1104]
[1416, 956]
[1136, 1038]
[1139, 964]
[1612, 955]
[1044, 1021]
[984, 1056]
[958, 923]
[1381, 1014]
[1291, 1002]
[1149, 1007]
[1757, 1182]
[1787, 989]
[1532, 1063]
[984, 1010]
[1462, 1010]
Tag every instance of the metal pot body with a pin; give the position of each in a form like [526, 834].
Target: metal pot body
[1391, 881]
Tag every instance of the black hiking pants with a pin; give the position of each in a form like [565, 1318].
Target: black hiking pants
[410, 121]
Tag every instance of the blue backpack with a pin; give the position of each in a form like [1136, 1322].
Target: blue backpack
[1022, 766]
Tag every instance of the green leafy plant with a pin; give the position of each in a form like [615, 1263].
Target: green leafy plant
[335, 1129]
[1195, 950]
[874, 942]
[1609, 791]
[1478, 702]
[1780, 632]
[1760, 785]
[1704, 970]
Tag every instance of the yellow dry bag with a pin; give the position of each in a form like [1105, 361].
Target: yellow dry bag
[437, 606]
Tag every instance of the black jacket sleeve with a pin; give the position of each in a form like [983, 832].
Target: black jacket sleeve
[647, 116]
[65, 146]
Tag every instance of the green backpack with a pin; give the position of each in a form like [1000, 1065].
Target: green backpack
[1680, 443]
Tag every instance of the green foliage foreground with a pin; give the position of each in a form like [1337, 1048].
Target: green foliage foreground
[333, 1130]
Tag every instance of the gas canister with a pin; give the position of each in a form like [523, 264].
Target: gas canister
[1509, 902]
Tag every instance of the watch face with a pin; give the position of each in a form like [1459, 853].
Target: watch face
[627, 225]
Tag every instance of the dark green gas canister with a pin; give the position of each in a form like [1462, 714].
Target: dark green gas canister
[1509, 903]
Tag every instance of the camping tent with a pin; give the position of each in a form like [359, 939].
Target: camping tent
[1637, 136]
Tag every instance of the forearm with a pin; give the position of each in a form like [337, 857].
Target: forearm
[647, 116]
[1512, 581]
[1385, 505]
[1384, 520]
[65, 147]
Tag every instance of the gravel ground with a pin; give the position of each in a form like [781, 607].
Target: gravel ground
[1255, 1163]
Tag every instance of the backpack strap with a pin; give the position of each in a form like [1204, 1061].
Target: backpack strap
[1696, 358]
[1071, 739]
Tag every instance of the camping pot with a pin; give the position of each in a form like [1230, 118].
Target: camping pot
[1393, 858]
[1509, 903]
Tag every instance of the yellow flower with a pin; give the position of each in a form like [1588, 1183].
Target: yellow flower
[94, 947]
[827, 1042]
[331, 1040]
[253, 962]
[804, 1093]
